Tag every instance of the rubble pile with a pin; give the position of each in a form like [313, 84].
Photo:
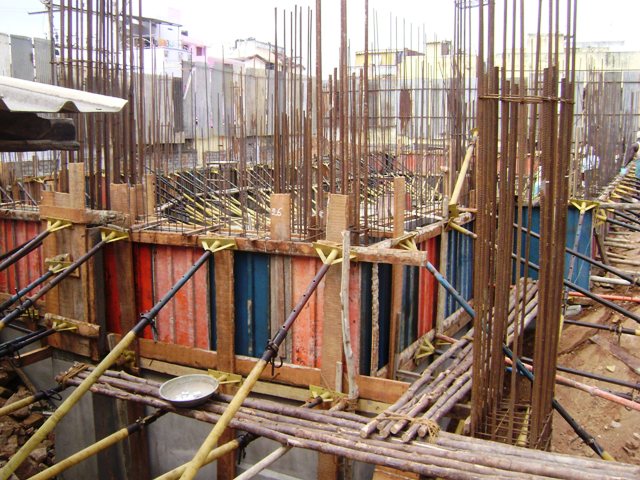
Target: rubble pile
[19, 425]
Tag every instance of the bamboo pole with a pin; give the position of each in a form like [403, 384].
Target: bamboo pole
[43, 394]
[243, 392]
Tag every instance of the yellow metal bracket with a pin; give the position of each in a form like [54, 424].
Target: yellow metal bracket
[110, 235]
[330, 252]
[600, 217]
[58, 263]
[584, 206]
[460, 228]
[215, 244]
[326, 394]
[55, 224]
[408, 242]
[63, 326]
[225, 378]
[426, 349]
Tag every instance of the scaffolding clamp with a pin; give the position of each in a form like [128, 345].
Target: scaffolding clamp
[330, 252]
[59, 263]
[426, 349]
[326, 394]
[583, 206]
[215, 244]
[110, 235]
[225, 378]
[55, 224]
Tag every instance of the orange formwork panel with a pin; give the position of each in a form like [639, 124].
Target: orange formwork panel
[306, 335]
[185, 319]
[12, 234]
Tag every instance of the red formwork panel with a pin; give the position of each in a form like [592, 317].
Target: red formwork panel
[29, 267]
[306, 333]
[143, 281]
[112, 296]
[185, 318]
[428, 289]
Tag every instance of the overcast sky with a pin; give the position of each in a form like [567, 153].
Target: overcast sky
[217, 22]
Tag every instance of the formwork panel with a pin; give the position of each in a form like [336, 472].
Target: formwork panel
[143, 268]
[29, 267]
[185, 318]
[428, 289]
[251, 292]
[306, 335]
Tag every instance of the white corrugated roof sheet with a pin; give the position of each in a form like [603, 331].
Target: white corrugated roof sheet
[24, 96]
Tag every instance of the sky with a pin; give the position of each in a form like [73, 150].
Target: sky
[217, 23]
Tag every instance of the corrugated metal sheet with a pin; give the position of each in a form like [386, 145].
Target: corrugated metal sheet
[185, 319]
[581, 269]
[459, 267]
[251, 294]
[28, 268]
[21, 57]
[23, 96]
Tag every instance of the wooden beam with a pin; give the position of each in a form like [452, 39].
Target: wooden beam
[399, 206]
[280, 267]
[331, 353]
[300, 394]
[34, 356]
[225, 339]
[377, 389]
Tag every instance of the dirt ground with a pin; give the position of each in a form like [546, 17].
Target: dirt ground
[616, 427]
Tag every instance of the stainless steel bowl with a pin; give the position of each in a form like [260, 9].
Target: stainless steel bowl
[189, 390]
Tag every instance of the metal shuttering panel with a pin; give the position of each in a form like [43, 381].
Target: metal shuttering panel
[22, 57]
[42, 58]
[251, 292]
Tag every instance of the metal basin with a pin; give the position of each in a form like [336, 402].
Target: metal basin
[189, 390]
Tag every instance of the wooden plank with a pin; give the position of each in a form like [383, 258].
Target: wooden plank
[225, 331]
[280, 287]
[280, 218]
[399, 205]
[34, 356]
[288, 392]
[377, 389]
[150, 193]
[76, 185]
[331, 353]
